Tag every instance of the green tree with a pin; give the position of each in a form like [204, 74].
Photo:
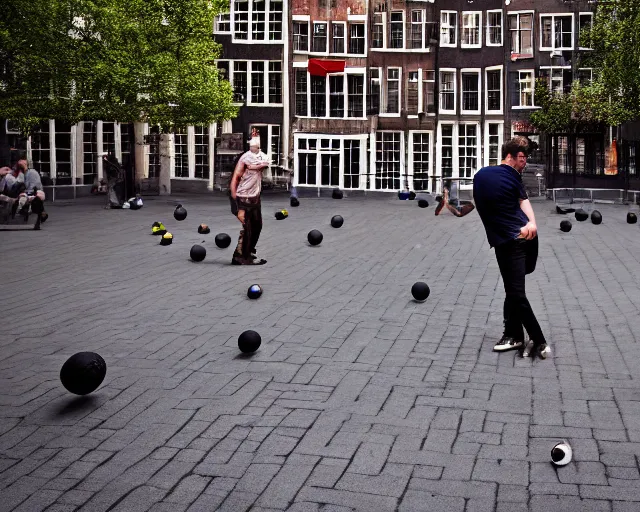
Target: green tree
[114, 60]
[614, 96]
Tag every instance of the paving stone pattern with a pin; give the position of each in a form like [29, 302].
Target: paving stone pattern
[358, 399]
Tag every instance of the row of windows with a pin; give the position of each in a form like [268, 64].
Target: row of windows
[469, 91]
[255, 82]
[557, 31]
[413, 29]
[340, 161]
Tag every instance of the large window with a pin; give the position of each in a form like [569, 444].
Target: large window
[202, 152]
[89, 152]
[467, 150]
[494, 28]
[373, 104]
[420, 159]
[318, 96]
[558, 78]
[417, 29]
[388, 163]
[301, 92]
[274, 144]
[329, 161]
[556, 31]
[470, 81]
[392, 97]
[154, 152]
[356, 95]
[300, 36]
[413, 92]
[446, 151]
[181, 167]
[448, 91]
[356, 38]
[338, 37]
[521, 30]
[63, 152]
[343, 93]
[471, 32]
[493, 141]
[493, 79]
[255, 82]
[275, 82]
[428, 99]
[255, 21]
[448, 28]
[378, 30]
[336, 96]
[319, 41]
[240, 81]
[397, 30]
[222, 24]
[523, 84]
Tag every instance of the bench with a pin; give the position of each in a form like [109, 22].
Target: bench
[8, 222]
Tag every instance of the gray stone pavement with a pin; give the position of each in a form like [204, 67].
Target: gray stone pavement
[358, 399]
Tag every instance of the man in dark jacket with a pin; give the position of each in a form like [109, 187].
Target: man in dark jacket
[507, 215]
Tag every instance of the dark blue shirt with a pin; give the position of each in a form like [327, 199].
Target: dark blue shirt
[497, 191]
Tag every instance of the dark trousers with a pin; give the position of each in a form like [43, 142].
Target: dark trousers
[516, 259]
[251, 227]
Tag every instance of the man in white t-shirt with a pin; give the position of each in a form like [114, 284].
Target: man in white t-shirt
[245, 188]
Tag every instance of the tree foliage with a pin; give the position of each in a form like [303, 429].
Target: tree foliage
[114, 60]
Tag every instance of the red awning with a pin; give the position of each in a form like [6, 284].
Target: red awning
[321, 67]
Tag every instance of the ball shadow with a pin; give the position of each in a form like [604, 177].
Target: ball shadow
[77, 404]
[245, 356]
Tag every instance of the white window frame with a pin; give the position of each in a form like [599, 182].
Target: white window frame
[216, 24]
[344, 38]
[488, 32]
[585, 69]
[421, 100]
[533, 90]
[247, 100]
[580, 15]
[410, 157]
[345, 91]
[385, 92]
[404, 30]
[500, 124]
[361, 19]
[374, 160]
[454, 151]
[413, 116]
[478, 16]
[448, 26]
[533, 35]
[553, 17]
[478, 152]
[423, 25]
[301, 19]
[327, 35]
[478, 72]
[455, 90]
[383, 15]
[267, 12]
[362, 138]
[551, 69]
[486, 91]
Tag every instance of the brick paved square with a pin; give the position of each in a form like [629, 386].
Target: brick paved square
[358, 399]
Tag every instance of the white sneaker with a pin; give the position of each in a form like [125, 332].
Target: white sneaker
[542, 351]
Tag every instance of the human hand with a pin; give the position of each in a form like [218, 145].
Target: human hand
[529, 231]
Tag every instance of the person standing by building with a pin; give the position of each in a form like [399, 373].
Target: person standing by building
[245, 189]
[508, 218]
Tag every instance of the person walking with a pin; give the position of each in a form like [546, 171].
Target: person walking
[510, 224]
[245, 189]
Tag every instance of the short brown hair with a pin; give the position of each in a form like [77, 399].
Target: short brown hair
[514, 146]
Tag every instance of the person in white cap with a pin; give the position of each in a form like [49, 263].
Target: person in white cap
[245, 188]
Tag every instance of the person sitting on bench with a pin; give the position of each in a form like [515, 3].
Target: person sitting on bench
[29, 196]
